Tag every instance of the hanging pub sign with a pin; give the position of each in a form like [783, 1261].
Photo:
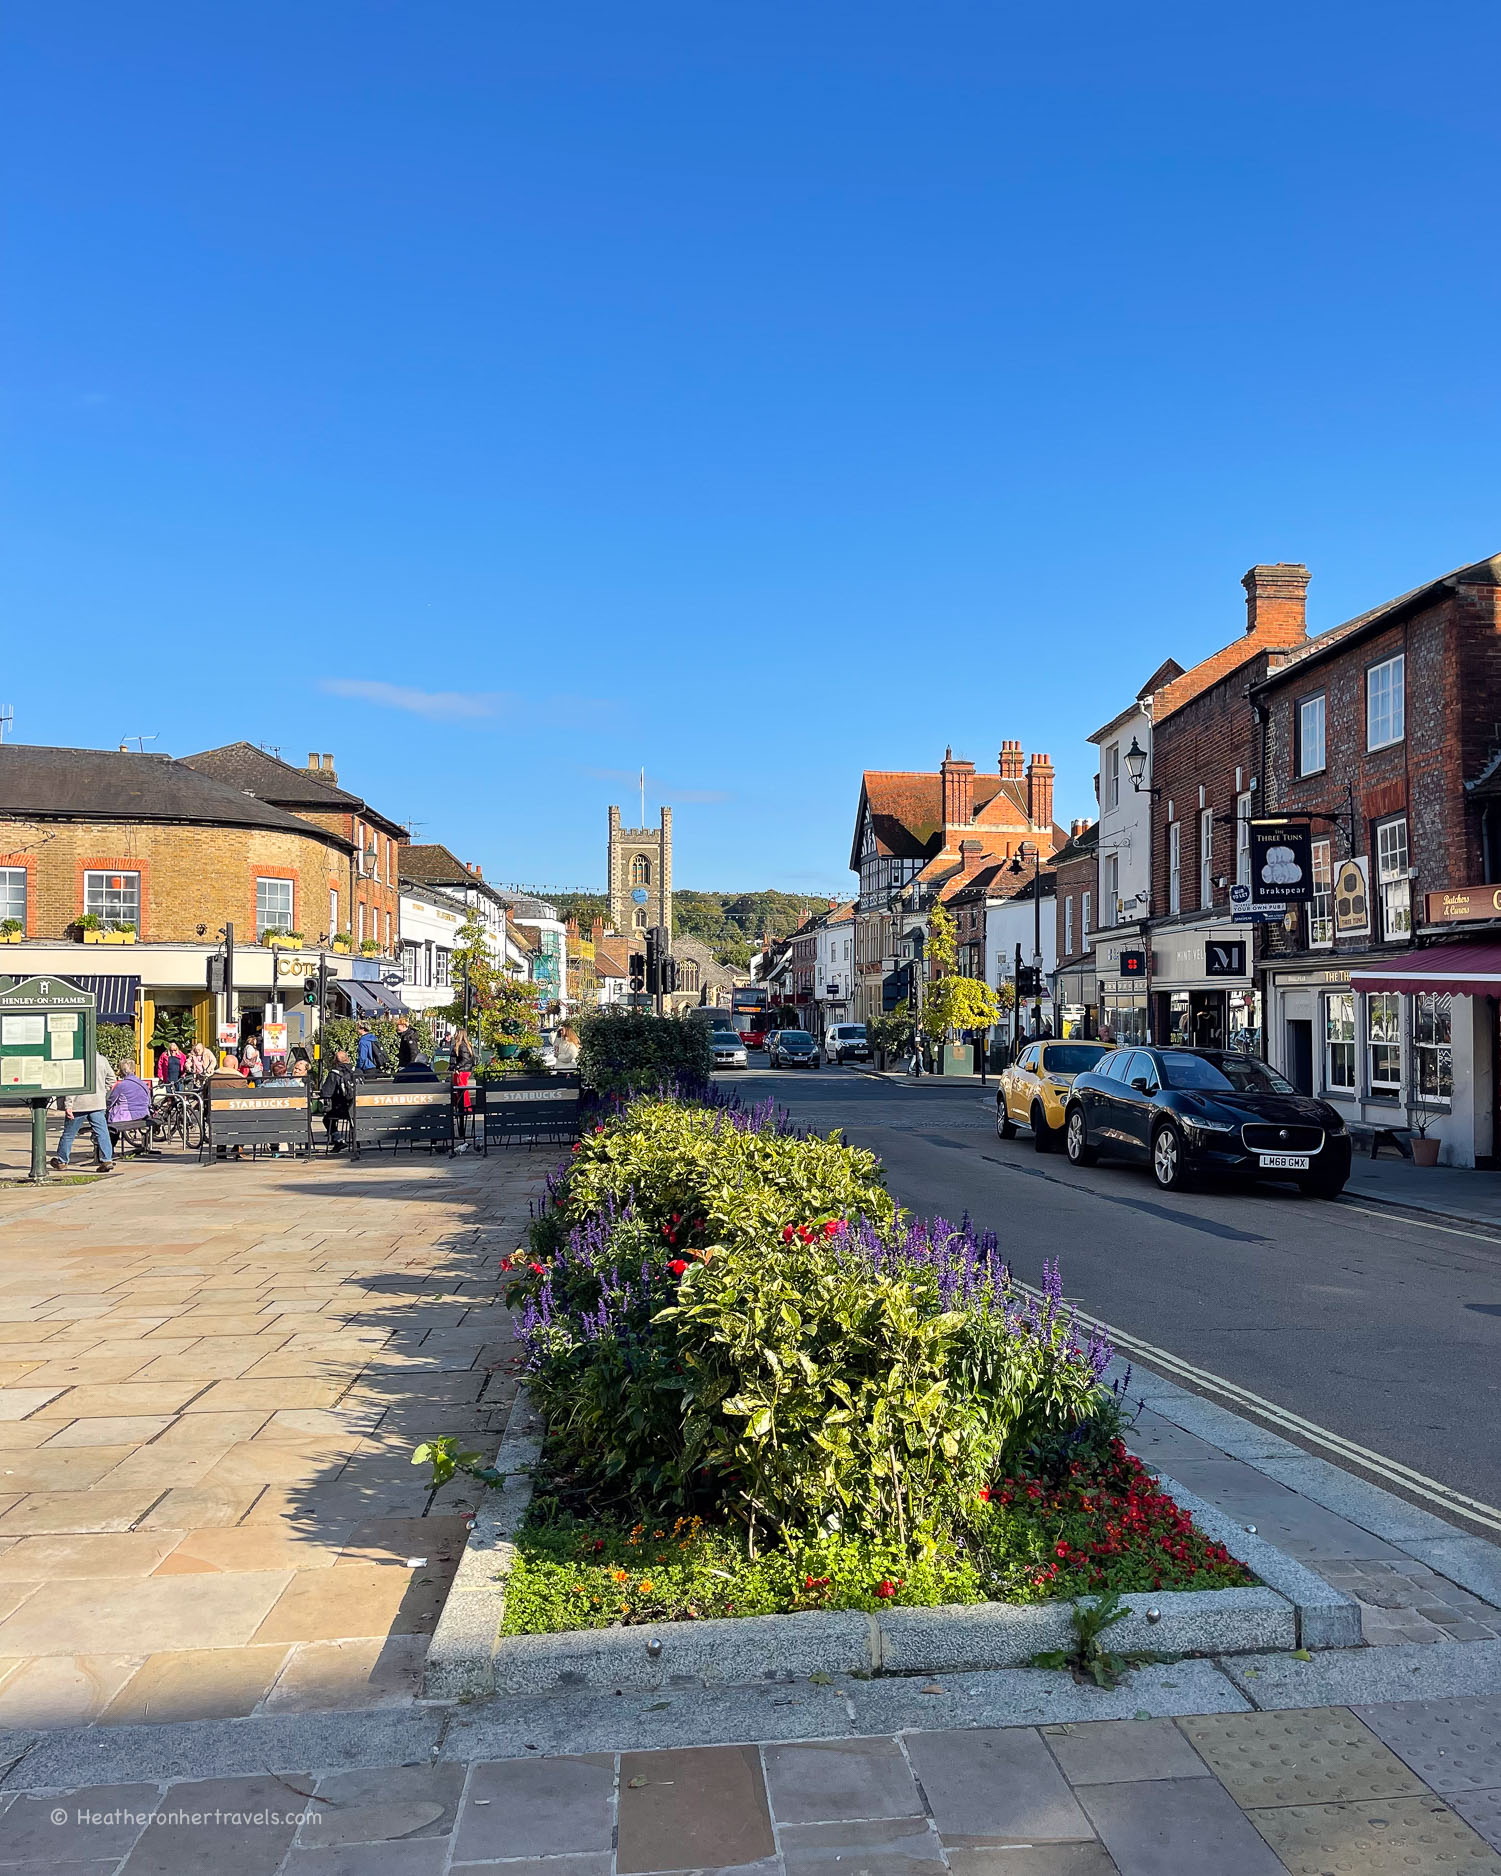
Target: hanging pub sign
[1352, 899]
[1281, 861]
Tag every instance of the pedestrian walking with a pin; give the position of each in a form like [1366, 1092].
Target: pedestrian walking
[917, 1066]
[461, 1077]
[250, 1062]
[407, 1048]
[369, 1056]
[171, 1065]
[78, 1108]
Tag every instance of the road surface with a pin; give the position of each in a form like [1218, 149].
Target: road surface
[1383, 1330]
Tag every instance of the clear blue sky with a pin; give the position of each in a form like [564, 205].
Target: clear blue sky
[505, 396]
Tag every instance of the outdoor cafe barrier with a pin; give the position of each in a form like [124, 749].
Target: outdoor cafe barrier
[527, 1110]
[262, 1120]
[402, 1114]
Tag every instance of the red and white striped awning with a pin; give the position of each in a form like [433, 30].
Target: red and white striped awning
[1457, 970]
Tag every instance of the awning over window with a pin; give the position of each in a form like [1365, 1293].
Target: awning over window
[360, 997]
[114, 997]
[1453, 970]
[388, 1001]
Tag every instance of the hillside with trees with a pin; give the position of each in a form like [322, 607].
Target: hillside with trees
[731, 923]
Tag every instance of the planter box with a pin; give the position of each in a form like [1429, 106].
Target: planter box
[11, 937]
[117, 937]
[280, 941]
[92, 937]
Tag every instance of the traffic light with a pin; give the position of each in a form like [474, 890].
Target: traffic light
[654, 960]
[638, 972]
[669, 969]
[310, 990]
[1029, 981]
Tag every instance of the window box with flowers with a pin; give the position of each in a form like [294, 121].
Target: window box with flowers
[12, 931]
[118, 935]
[90, 929]
[281, 940]
[341, 941]
[370, 947]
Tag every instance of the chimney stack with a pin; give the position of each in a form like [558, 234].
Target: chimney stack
[1076, 828]
[1011, 762]
[1040, 791]
[971, 853]
[313, 763]
[1277, 604]
[958, 791]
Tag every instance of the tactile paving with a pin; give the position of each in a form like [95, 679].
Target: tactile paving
[1454, 1745]
[1317, 1755]
[1393, 1837]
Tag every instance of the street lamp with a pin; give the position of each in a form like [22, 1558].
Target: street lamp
[1136, 768]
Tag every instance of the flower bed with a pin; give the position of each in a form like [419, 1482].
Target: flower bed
[768, 1392]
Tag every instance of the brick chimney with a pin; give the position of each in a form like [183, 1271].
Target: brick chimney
[1011, 762]
[322, 767]
[1076, 828]
[958, 791]
[1277, 603]
[971, 853]
[1040, 791]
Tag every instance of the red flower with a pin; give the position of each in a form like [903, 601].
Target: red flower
[677, 1266]
[805, 1234]
[831, 1227]
[787, 1234]
[537, 1270]
[599, 1543]
[984, 1494]
[676, 1216]
[576, 1145]
[885, 1589]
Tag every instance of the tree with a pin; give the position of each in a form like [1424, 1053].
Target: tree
[952, 1002]
[502, 1006]
[958, 1003]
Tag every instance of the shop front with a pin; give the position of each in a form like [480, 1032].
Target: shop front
[1122, 996]
[1075, 998]
[1202, 993]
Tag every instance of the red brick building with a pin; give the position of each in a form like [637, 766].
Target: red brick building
[1386, 733]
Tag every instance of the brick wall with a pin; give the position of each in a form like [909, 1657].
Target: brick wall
[1452, 649]
[1074, 879]
[190, 876]
[1201, 746]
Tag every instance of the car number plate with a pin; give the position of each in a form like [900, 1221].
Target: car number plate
[1285, 1162]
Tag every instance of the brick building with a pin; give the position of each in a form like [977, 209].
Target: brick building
[364, 902]
[165, 857]
[912, 829]
[1075, 877]
[1386, 734]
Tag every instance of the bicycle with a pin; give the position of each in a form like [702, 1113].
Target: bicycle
[177, 1114]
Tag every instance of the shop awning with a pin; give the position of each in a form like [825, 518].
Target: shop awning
[1453, 970]
[360, 997]
[387, 1001]
[114, 997]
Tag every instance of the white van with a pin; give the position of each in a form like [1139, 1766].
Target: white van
[846, 1042]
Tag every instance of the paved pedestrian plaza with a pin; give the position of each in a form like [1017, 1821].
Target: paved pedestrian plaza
[211, 1382]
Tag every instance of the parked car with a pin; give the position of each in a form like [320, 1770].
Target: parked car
[1033, 1091]
[1188, 1111]
[846, 1042]
[794, 1048]
[727, 1049]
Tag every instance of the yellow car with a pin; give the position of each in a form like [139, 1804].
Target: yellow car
[1034, 1088]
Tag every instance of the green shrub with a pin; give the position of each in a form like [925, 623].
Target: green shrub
[343, 1032]
[116, 1041]
[743, 1182]
[626, 1051]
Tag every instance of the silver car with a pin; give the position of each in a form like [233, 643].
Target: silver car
[727, 1049]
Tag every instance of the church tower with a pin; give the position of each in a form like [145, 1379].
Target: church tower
[640, 874]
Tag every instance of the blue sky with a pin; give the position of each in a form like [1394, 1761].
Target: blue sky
[506, 397]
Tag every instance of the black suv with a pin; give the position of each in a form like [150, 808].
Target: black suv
[1189, 1111]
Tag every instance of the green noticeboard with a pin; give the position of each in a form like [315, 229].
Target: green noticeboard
[48, 1043]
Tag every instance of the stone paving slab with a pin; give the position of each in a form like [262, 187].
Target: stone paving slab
[1237, 1795]
[210, 1386]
